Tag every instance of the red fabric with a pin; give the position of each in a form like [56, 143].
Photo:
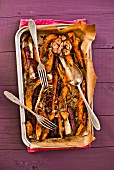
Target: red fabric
[24, 22]
[55, 149]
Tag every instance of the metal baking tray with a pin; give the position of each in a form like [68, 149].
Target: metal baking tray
[20, 81]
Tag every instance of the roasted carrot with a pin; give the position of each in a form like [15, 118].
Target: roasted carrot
[75, 41]
[60, 122]
[69, 59]
[29, 93]
[62, 74]
[49, 62]
[81, 108]
[29, 129]
[38, 130]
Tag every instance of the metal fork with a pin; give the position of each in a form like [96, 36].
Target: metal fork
[41, 67]
[42, 120]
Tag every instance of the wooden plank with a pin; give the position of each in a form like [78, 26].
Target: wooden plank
[8, 72]
[103, 63]
[95, 158]
[7, 108]
[105, 137]
[103, 99]
[104, 26]
[10, 135]
[55, 7]
[102, 58]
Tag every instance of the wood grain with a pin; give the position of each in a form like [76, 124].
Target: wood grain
[8, 109]
[11, 135]
[93, 158]
[56, 8]
[8, 72]
[103, 99]
[103, 64]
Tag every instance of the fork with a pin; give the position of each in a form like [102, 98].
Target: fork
[40, 67]
[41, 119]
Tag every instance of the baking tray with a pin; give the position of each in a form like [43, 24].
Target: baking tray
[21, 85]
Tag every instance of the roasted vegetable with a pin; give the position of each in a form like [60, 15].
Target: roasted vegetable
[72, 119]
[38, 130]
[60, 125]
[75, 41]
[62, 74]
[81, 109]
[49, 62]
[29, 129]
[60, 102]
[69, 59]
[29, 93]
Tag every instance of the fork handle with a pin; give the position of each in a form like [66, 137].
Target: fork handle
[14, 99]
[33, 32]
[93, 117]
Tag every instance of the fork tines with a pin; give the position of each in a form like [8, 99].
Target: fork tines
[48, 124]
[43, 77]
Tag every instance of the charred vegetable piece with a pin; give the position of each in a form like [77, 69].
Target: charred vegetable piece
[30, 46]
[49, 62]
[72, 119]
[81, 105]
[38, 130]
[27, 55]
[29, 93]
[44, 134]
[24, 60]
[29, 129]
[79, 129]
[64, 114]
[81, 108]
[29, 64]
[33, 69]
[35, 54]
[45, 131]
[62, 98]
[82, 125]
[75, 41]
[72, 97]
[54, 133]
[31, 73]
[69, 59]
[62, 73]
[60, 125]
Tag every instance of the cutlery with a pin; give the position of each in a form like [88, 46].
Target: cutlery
[77, 78]
[40, 67]
[42, 120]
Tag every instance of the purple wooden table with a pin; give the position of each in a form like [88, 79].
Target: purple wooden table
[13, 154]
